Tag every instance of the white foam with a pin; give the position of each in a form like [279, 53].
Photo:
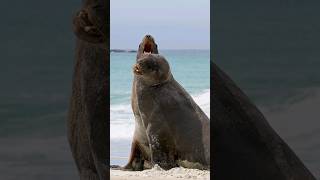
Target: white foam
[203, 100]
[122, 119]
[121, 122]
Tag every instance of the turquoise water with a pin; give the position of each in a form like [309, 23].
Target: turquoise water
[191, 68]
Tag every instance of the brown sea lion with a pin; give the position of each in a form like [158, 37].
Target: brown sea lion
[87, 124]
[170, 128]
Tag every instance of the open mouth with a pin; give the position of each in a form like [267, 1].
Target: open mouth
[147, 48]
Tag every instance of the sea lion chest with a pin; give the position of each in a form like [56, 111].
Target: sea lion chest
[147, 102]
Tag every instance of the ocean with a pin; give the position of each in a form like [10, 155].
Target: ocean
[191, 68]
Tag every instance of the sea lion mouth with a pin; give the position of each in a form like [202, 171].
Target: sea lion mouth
[147, 48]
[148, 44]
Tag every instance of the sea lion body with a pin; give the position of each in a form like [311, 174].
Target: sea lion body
[170, 128]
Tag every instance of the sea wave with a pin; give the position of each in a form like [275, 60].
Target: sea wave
[122, 119]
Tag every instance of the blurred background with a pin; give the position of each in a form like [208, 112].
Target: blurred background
[271, 50]
[36, 64]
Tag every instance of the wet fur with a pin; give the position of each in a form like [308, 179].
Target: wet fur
[170, 126]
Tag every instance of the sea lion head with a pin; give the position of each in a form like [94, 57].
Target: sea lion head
[147, 46]
[152, 69]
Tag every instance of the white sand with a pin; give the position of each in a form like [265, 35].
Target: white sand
[157, 173]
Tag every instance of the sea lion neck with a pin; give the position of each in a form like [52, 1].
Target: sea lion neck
[147, 46]
[160, 84]
[149, 82]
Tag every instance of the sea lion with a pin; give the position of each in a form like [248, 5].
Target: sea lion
[244, 144]
[87, 123]
[170, 128]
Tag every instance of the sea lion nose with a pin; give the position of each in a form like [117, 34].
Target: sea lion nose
[148, 36]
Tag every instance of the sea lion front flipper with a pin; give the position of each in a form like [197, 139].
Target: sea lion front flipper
[136, 161]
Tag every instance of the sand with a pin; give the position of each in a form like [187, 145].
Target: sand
[157, 173]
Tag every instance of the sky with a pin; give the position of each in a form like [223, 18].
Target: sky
[175, 24]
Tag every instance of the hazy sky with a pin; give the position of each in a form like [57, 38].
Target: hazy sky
[175, 24]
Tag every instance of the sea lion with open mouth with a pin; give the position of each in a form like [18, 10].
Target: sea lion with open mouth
[170, 128]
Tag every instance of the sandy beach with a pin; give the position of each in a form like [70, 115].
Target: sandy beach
[157, 173]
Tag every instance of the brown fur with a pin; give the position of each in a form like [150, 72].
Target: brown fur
[170, 129]
[88, 118]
